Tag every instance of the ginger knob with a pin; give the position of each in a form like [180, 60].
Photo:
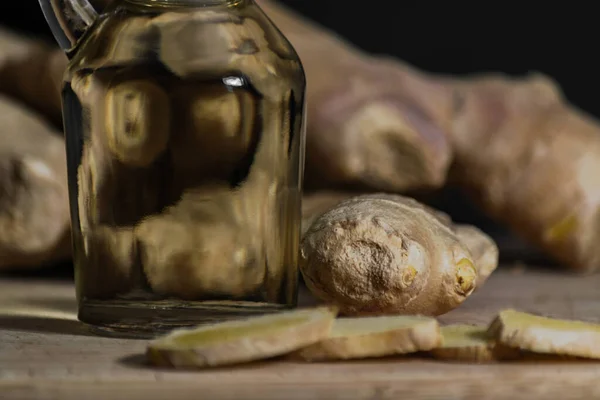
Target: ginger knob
[386, 254]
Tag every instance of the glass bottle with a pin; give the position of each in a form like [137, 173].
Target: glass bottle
[184, 123]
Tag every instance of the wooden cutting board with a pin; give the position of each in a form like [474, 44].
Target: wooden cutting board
[45, 353]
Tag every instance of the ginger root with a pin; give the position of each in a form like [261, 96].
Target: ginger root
[386, 254]
[34, 207]
[481, 246]
[373, 124]
[240, 341]
[530, 159]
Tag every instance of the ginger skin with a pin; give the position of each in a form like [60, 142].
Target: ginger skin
[530, 141]
[386, 254]
[374, 124]
[482, 247]
[536, 165]
[34, 211]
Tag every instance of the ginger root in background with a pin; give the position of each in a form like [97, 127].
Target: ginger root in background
[525, 155]
[518, 147]
[531, 161]
[34, 208]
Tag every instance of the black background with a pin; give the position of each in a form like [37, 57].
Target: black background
[561, 42]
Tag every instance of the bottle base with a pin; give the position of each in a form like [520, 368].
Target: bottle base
[150, 319]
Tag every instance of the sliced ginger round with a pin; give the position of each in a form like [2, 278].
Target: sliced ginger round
[365, 337]
[244, 340]
[464, 343]
[538, 334]
[470, 343]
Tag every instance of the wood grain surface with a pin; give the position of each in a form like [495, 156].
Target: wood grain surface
[45, 353]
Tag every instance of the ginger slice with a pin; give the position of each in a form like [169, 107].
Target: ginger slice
[464, 343]
[534, 333]
[366, 337]
[244, 340]
[470, 343]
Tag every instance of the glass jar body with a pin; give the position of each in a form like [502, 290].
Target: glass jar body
[185, 146]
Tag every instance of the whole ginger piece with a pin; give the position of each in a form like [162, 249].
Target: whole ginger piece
[482, 247]
[530, 159]
[386, 254]
[373, 124]
[34, 209]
